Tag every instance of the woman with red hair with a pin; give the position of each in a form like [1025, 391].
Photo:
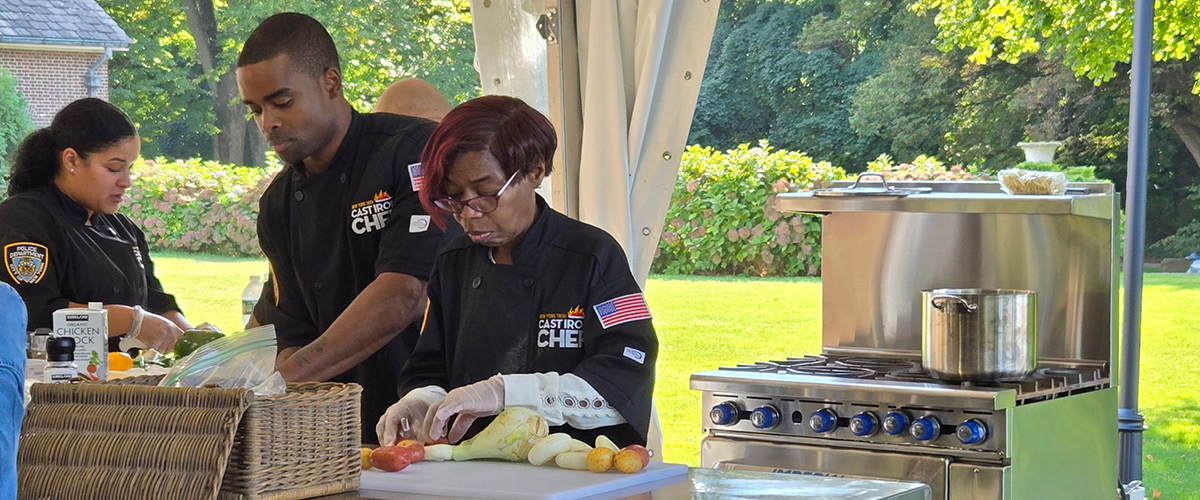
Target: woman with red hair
[528, 307]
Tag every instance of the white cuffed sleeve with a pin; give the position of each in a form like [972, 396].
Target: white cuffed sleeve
[560, 399]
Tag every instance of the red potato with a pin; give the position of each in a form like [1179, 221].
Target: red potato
[641, 452]
[416, 451]
[390, 458]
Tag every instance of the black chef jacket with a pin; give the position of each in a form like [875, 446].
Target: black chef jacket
[53, 256]
[328, 235]
[485, 319]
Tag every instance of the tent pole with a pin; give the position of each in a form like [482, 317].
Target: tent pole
[1131, 424]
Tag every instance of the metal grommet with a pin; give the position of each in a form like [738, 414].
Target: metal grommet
[666, 155]
[487, 3]
[528, 282]
[299, 195]
[496, 82]
[475, 282]
[687, 75]
[645, 231]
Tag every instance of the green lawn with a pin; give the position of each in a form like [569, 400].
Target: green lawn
[703, 323]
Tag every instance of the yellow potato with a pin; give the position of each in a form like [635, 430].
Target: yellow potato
[600, 459]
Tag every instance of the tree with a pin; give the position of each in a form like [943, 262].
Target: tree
[179, 83]
[781, 71]
[1093, 37]
[14, 123]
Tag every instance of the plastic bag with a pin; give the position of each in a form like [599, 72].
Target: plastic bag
[236, 361]
[1018, 181]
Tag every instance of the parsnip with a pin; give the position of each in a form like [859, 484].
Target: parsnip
[577, 445]
[575, 460]
[603, 441]
[549, 447]
[439, 452]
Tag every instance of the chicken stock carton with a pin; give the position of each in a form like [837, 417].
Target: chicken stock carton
[89, 327]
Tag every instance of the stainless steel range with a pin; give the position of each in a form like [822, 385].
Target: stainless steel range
[865, 407]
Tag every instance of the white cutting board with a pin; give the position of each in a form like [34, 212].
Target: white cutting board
[512, 480]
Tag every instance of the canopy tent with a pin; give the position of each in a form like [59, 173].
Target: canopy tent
[621, 84]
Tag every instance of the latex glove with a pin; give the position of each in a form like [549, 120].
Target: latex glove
[469, 402]
[409, 410]
[157, 333]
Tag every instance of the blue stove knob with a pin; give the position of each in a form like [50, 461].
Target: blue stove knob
[864, 424]
[926, 428]
[896, 422]
[724, 414]
[971, 432]
[764, 417]
[823, 420]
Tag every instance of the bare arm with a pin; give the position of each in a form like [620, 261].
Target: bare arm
[384, 308]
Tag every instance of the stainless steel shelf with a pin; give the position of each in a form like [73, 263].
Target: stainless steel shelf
[984, 197]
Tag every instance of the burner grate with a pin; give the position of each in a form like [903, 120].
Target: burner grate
[1045, 383]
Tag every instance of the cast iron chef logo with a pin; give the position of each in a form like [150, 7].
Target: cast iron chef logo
[26, 261]
[137, 254]
[367, 216]
[561, 330]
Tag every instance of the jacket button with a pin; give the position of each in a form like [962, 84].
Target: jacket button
[528, 282]
[319, 284]
[116, 289]
[342, 178]
[475, 282]
[299, 195]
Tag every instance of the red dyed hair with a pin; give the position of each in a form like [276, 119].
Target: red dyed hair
[518, 136]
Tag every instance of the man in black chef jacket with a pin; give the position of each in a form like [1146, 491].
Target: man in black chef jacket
[349, 245]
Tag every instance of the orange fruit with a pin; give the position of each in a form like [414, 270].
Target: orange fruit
[366, 457]
[119, 361]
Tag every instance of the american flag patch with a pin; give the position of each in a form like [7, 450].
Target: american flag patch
[417, 174]
[622, 309]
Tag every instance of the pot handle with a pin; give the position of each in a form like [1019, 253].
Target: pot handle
[939, 301]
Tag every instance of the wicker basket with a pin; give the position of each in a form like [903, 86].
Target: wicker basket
[130, 439]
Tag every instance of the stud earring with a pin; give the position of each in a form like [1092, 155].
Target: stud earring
[72, 170]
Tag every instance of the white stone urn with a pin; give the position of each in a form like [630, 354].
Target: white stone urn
[1040, 151]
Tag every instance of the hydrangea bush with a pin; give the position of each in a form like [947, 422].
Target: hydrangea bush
[197, 206]
[722, 218]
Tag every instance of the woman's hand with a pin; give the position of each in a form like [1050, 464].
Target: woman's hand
[404, 419]
[481, 399]
[158, 333]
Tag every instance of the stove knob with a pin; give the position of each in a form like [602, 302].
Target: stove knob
[895, 422]
[926, 428]
[724, 414]
[971, 432]
[864, 424]
[764, 417]
[823, 420]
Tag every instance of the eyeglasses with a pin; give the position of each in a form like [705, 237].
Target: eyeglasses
[482, 204]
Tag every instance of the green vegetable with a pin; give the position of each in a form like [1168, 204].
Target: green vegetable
[508, 437]
[193, 339]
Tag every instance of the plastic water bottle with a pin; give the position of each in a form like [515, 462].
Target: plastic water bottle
[250, 297]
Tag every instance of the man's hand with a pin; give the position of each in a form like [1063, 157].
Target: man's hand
[384, 308]
[284, 355]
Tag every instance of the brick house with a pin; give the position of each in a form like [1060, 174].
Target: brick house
[58, 51]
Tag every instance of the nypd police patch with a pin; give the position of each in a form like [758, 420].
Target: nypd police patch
[26, 261]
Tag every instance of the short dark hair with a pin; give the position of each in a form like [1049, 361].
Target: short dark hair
[301, 37]
[518, 136]
[87, 126]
